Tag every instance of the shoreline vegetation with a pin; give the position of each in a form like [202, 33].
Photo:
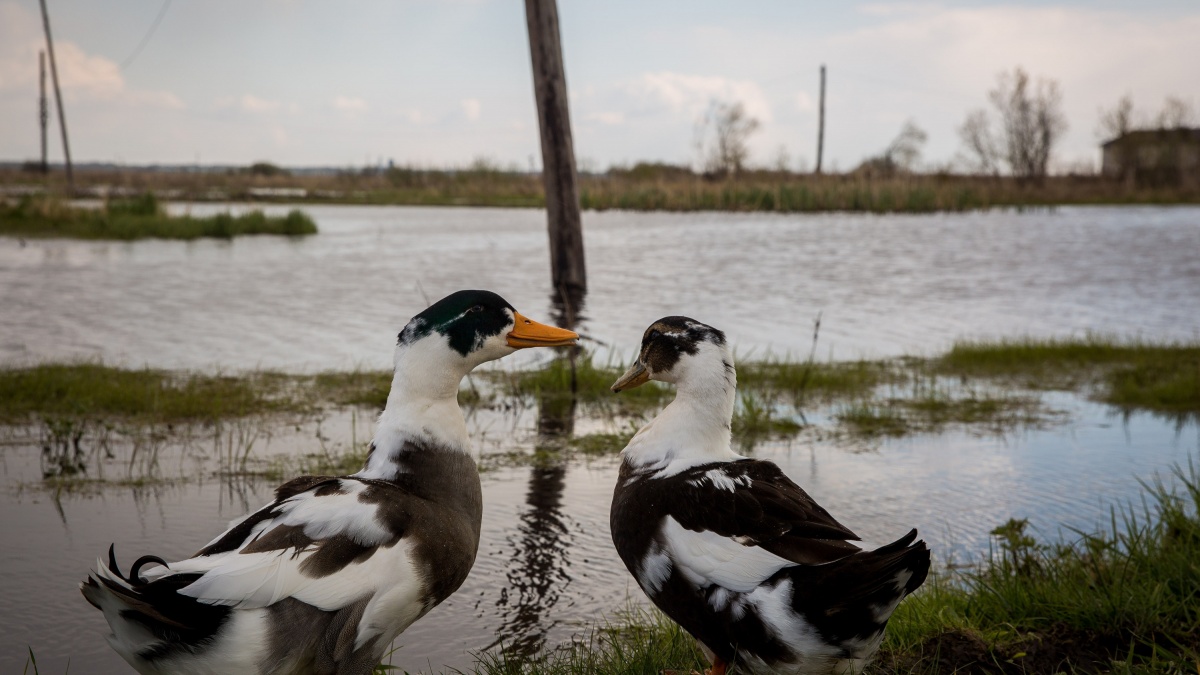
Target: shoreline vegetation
[138, 217]
[81, 411]
[989, 385]
[975, 381]
[1122, 600]
[641, 187]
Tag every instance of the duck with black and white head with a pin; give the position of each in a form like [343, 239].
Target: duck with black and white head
[323, 578]
[730, 547]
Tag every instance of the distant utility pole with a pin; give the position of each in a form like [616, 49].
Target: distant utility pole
[821, 122]
[43, 109]
[62, 117]
[558, 154]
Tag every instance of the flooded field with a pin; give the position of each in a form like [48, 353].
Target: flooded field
[884, 286]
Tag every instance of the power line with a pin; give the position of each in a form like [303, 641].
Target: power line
[146, 38]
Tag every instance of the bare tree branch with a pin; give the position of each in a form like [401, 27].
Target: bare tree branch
[724, 151]
[1031, 123]
[1117, 122]
[982, 146]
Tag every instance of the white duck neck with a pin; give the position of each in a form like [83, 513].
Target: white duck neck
[708, 390]
[695, 427]
[422, 405]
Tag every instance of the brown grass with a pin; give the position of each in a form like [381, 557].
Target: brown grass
[643, 187]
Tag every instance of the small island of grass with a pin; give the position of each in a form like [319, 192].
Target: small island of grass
[141, 217]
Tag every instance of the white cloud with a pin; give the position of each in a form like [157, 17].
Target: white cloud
[350, 104]
[155, 99]
[689, 95]
[471, 108]
[414, 115]
[609, 117]
[804, 102]
[254, 104]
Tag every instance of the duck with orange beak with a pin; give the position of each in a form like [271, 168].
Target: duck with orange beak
[323, 578]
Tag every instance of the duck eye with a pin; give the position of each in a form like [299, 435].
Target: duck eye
[475, 309]
[654, 334]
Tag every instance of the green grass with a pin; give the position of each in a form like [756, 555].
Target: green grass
[600, 443]
[592, 385]
[759, 416]
[1130, 374]
[871, 420]
[94, 391]
[1123, 600]
[367, 388]
[990, 386]
[139, 218]
[812, 381]
[637, 642]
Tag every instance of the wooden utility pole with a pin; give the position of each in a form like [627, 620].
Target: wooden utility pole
[43, 109]
[62, 117]
[558, 153]
[821, 122]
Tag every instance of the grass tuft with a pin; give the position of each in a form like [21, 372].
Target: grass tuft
[1123, 600]
[592, 384]
[1127, 373]
[139, 217]
[810, 381]
[90, 391]
[638, 642]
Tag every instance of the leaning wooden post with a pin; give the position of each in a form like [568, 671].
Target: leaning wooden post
[62, 117]
[43, 110]
[558, 154]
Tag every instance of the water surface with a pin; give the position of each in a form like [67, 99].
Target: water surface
[884, 285]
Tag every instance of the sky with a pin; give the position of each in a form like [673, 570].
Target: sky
[441, 83]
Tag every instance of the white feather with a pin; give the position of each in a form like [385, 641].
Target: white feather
[248, 580]
[707, 558]
[332, 514]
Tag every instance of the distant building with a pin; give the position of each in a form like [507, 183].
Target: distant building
[1155, 157]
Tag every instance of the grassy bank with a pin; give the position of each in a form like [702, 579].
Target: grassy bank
[643, 187]
[1131, 374]
[1124, 600]
[140, 217]
[974, 383]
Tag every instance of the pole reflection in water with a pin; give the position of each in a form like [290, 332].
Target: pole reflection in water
[538, 573]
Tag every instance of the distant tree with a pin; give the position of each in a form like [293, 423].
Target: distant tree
[905, 150]
[267, 169]
[1176, 113]
[721, 137]
[1118, 121]
[901, 155]
[983, 153]
[1031, 122]
[782, 159]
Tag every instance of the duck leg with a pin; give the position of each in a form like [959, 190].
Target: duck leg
[718, 667]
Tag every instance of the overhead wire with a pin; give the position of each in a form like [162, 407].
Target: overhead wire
[149, 34]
